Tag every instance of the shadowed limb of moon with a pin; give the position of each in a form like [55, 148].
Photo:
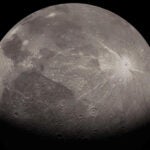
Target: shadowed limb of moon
[74, 70]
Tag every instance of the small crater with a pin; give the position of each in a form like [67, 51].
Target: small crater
[16, 114]
[92, 110]
[60, 136]
[95, 130]
[80, 116]
[84, 138]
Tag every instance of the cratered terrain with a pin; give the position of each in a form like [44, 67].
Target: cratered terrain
[75, 71]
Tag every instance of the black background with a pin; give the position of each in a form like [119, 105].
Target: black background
[135, 12]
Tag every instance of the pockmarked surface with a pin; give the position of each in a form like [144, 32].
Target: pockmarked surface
[75, 70]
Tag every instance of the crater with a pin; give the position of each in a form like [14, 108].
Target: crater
[124, 67]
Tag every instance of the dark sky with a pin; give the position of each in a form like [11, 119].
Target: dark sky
[135, 12]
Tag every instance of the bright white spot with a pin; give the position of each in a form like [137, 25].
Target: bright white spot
[124, 67]
[126, 64]
[51, 15]
[80, 53]
[25, 42]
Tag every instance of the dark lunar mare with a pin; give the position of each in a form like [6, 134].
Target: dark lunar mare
[41, 105]
[13, 49]
[36, 101]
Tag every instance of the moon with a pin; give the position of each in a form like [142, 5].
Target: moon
[75, 71]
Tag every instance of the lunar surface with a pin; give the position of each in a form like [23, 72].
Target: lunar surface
[75, 71]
